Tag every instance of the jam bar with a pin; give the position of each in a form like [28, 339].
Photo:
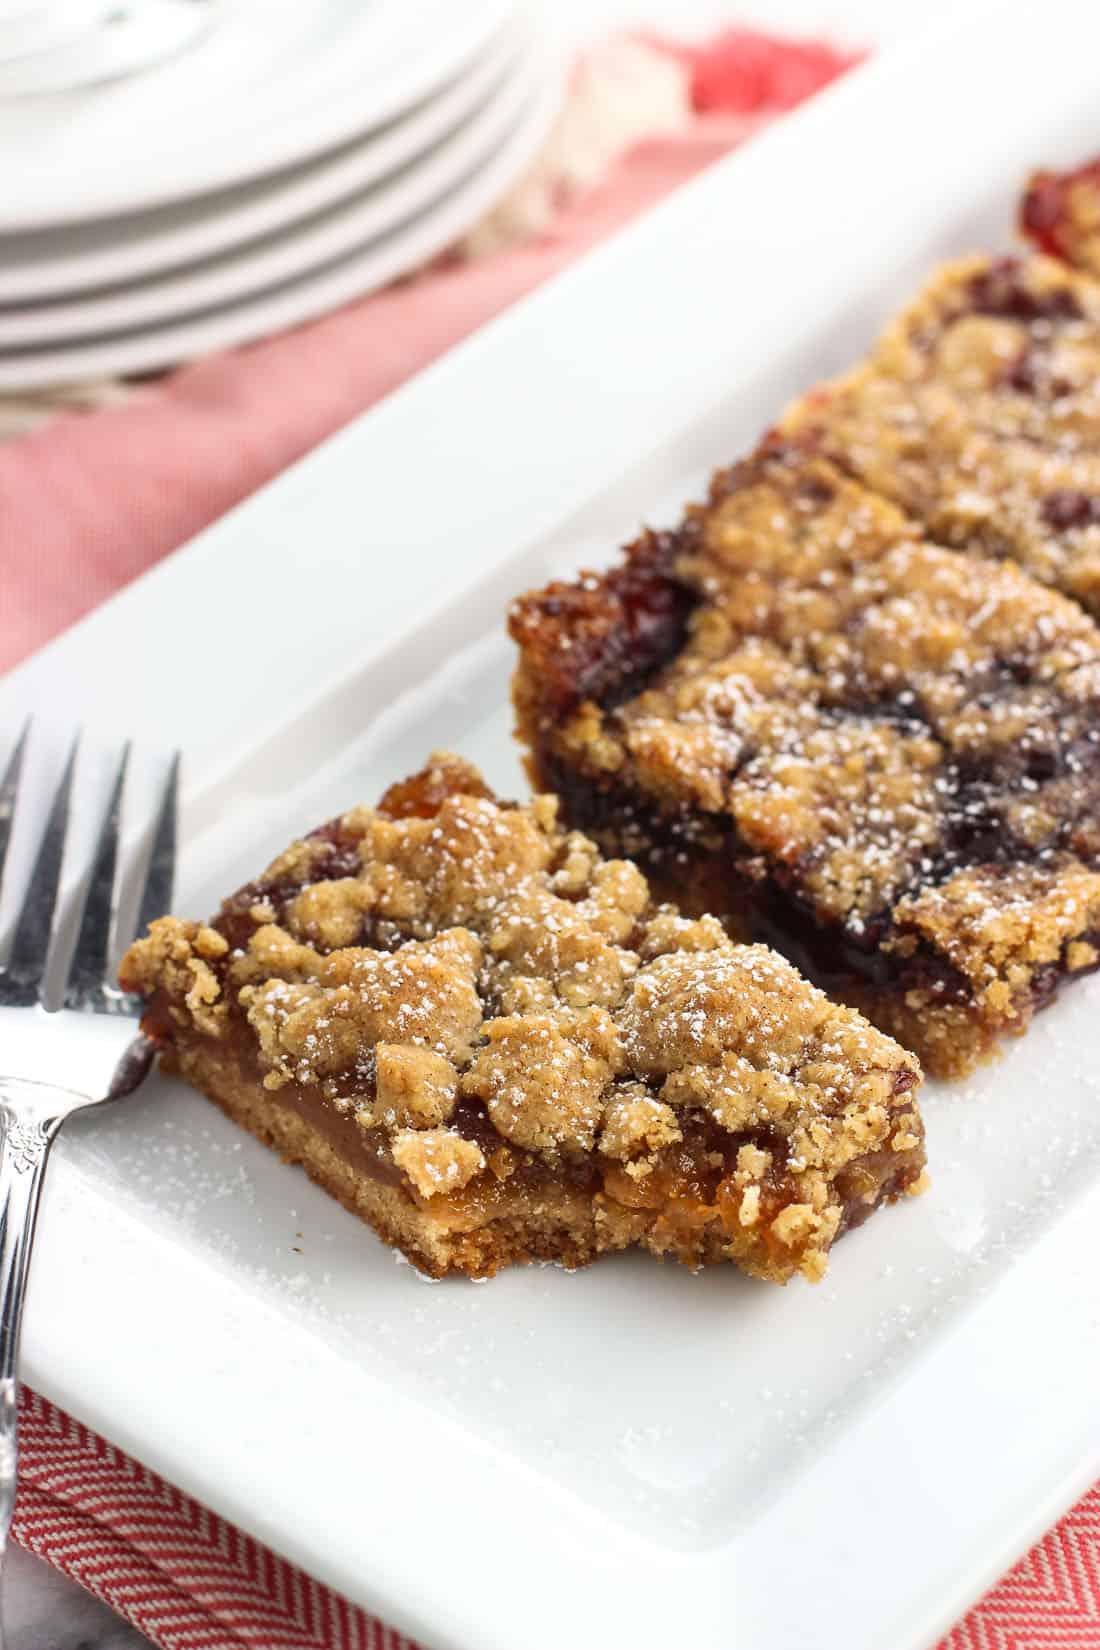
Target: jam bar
[978, 412]
[493, 1046]
[868, 750]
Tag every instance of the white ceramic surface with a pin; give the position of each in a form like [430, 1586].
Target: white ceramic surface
[39, 266]
[648, 1459]
[410, 245]
[125, 39]
[362, 221]
[48, 24]
[274, 82]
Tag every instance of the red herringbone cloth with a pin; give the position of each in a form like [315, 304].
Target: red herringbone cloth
[190, 1581]
[181, 1575]
[91, 501]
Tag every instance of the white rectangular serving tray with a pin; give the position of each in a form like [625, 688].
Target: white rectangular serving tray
[631, 1458]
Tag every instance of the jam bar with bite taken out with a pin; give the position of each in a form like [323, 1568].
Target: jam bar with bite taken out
[493, 1046]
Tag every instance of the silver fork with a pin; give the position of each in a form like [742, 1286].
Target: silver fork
[32, 1111]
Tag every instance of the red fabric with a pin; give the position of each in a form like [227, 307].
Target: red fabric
[181, 1575]
[89, 501]
[753, 73]
[190, 1581]
[1051, 1600]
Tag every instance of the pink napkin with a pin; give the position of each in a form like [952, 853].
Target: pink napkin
[89, 501]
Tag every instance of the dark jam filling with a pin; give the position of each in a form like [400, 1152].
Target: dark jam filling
[698, 866]
[878, 1177]
[1044, 210]
[422, 795]
[1067, 508]
[1003, 290]
[621, 627]
[337, 856]
[837, 961]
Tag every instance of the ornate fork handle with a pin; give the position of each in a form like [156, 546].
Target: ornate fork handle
[30, 1116]
[36, 1038]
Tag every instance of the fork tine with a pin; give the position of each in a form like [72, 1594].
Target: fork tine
[9, 785]
[156, 895]
[92, 953]
[30, 947]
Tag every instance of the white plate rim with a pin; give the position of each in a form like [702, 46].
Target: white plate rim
[43, 28]
[713, 1592]
[242, 274]
[296, 301]
[339, 110]
[137, 43]
[210, 224]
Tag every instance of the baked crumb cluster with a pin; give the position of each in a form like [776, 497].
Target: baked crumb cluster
[1060, 213]
[877, 750]
[492, 1005]
[979, 413]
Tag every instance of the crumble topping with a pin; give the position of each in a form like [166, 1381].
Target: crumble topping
[414, 1087]
[318, 1029]
[1001, 926]
[180, 956]
[635, 1127]
[979, 413]
[437, 1161]
[482, 957]
[545, 1078]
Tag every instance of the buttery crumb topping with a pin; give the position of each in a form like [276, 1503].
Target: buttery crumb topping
[475, 967]
[979, 413]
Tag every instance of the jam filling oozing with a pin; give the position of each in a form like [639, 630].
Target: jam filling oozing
[1046, 215]
[704, 873]
[623, 626]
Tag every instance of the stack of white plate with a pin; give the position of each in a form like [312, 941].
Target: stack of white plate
[277, 160]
